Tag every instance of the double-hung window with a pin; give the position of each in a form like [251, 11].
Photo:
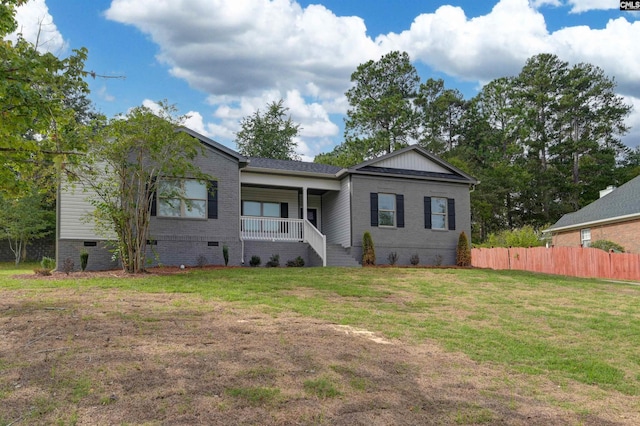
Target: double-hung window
[186, 198]
[387, 210]
[585, 237]
[439, 213]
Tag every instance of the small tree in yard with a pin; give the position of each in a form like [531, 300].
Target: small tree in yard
[24, 219]
[463, 251]
[368, 250]
[126, 161]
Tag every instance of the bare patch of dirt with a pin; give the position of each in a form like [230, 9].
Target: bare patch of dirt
[98, 357]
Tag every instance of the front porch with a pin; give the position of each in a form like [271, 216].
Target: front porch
[255, 228]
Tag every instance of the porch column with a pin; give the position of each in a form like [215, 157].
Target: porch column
[304, 203]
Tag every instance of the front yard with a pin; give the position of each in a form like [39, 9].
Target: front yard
[318, 346]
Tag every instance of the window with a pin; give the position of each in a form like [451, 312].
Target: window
[263, 209]
[585, 237]
[186, 198]
[387, 210]
[439, 213]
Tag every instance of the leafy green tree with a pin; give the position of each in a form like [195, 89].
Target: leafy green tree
[24, 219]
[34, 107]
[125, 160]
[268, 135]
[570, 123]
[489, 145]
[381, 117]
[441, 111]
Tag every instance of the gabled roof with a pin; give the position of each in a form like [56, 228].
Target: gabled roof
[620, 204]
[213, 144]
[430, 166]
[292, 166]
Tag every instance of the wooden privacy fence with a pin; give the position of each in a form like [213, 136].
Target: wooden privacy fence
[571, 261]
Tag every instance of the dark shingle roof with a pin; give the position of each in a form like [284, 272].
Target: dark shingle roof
[293, 166]
[420, 173]
[622, 201]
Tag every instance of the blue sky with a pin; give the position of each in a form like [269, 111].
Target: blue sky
[220, 60]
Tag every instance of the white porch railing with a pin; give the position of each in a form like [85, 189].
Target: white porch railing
[279, 229]
[271, 229]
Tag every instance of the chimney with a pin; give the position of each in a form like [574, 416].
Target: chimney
[609, 189]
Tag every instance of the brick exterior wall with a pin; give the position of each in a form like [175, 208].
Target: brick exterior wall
[432, 246]
[627, 234]
[36, 250]
[181, 241]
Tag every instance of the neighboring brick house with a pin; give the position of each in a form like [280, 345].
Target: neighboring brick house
[412, 202]
[615, 216]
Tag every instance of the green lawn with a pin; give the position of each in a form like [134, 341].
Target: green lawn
[562, 328]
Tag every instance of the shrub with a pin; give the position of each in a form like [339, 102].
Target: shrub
[296, 263]
[42, 271]
[463, 251]
[273, 262]
[48, 263]
[67, 266]
[368, 250]
[607, 245]
[255, 261]
[520, 237]
[201, 261]
[415, 259]
[84, 259]
[392, 258]
[225, 254]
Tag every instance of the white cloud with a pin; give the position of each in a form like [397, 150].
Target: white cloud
[103, 94]
[579, 6]
[614, 49]
[239, 47]
[36, 26]
[246, 53]
[479, 48]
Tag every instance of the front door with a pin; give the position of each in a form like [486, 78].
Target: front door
[312, 217]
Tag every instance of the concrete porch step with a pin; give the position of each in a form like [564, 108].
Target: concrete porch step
[339, 256]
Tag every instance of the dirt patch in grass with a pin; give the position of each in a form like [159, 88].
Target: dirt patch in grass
[91, 356]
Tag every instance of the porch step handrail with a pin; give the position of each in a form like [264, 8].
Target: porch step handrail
[317, 241]
[282, 229]
[271, 228]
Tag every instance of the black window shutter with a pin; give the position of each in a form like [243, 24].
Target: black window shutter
[427, 212]
[374, 208]
[451, 213]
[154, 204]
[284, 210]
[212, 200]
[400, 210]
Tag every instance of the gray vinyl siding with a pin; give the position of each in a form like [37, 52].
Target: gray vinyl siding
[75, 209]
[336, 210]
[432, 246]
